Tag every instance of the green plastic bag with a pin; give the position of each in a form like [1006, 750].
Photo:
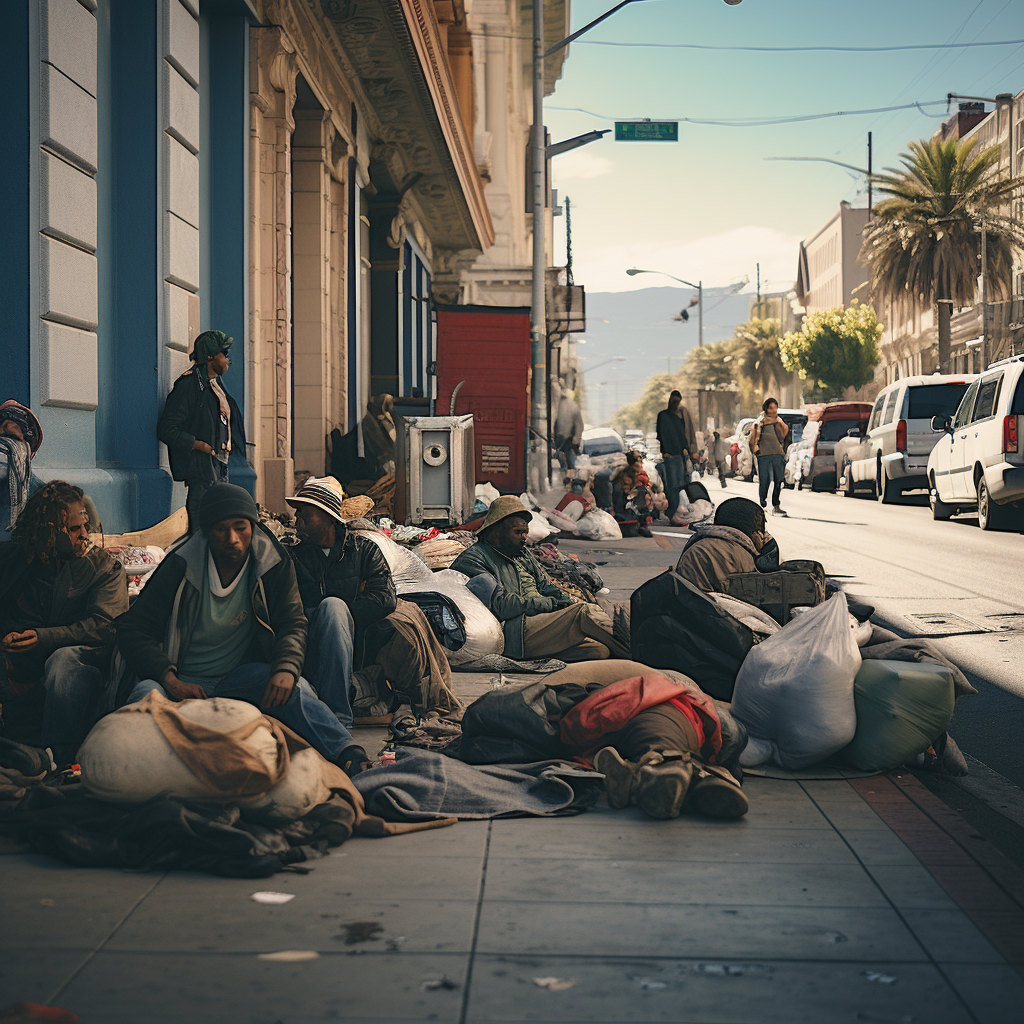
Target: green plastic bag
[902, 707]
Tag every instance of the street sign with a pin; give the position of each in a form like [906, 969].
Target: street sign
[646, 131]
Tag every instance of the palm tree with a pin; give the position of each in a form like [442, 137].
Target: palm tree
[922, 243]
[759, 360]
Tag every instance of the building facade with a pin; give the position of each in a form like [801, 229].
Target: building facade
[300, 174]
[828, 274]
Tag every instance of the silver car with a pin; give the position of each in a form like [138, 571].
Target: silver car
[892, 456]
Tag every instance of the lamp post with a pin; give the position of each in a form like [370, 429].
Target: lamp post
[632, 272]
[538, 313]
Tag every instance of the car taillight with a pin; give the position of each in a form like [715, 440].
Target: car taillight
[1009, 433]
[901, 436]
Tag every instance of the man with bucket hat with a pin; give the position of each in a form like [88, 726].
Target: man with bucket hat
[539, 619]
[201, 423]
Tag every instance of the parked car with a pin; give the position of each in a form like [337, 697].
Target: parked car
[605, 449]
[891, 455]
[978, 460]
[835, 421]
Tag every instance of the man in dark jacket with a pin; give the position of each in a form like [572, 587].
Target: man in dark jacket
[59, 596]
[345, 585]
[221, 617]
[201, 423]
[675, 449]
[539, 619]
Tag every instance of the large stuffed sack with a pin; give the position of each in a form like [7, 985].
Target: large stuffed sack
[902, 708]
[483, 631]
[406, 566]
[598, 525]
[217, 750]
[675, 625]
[795, 689]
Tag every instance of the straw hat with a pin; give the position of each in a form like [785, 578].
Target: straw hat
[501, 508]
[325, 493]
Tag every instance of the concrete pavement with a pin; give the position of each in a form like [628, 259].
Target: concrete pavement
[830, 901]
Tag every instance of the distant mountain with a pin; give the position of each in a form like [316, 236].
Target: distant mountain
[639, 326]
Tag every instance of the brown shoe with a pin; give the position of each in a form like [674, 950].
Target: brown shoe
[619, 775]
[662, 786]
[715, 793]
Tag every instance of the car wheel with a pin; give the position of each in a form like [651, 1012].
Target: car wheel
[990, 515]
[940, 510]
[885, 492]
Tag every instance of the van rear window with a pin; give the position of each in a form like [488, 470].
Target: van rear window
[833, 430]
[1017, 409]
[928, 400]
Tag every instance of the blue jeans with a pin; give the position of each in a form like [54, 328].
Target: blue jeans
[674, 472]
[329, 650]
[303, 712]
[769, 468]
[72, 685]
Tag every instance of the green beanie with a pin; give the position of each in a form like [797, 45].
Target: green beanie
[208, 344]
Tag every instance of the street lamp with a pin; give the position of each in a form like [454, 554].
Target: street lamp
[538, 314]
[632, 272]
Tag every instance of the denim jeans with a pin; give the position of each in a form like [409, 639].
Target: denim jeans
[303, 712]
[769, 468]
[329, 650]
[674, 481]
[72, 683]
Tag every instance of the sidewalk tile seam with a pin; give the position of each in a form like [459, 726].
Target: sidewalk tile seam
[471, 955]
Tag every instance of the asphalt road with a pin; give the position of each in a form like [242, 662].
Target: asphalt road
[949, 581]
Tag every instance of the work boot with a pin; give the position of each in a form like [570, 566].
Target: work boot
[661, 785]
[779, 511]
[618, 776]
[715, 793]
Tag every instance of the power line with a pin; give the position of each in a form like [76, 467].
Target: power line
[762, 121]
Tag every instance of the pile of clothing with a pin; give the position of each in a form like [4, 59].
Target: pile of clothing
[577, 577]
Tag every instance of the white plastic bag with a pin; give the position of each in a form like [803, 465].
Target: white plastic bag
[559, 520]
[540, 529]
[405, 565]
[795, 689]
[598, 525]
[483, 631]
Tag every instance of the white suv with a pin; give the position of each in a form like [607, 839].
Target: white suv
[892, 455]
[978, 462]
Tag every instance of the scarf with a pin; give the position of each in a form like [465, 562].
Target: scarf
[18, 472]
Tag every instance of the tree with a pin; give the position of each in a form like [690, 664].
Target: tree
[837, 348]
[922, 244]
[712, 366]
[760, 361]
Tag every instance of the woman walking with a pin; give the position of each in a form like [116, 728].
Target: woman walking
[768, 443]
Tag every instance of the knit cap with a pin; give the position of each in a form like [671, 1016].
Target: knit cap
[226, 501]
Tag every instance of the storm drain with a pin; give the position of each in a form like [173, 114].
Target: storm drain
[946, 623]
[1006, 620]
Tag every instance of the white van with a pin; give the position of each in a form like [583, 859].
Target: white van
[978, 460]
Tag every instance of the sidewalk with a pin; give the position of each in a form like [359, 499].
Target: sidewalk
[830, 901]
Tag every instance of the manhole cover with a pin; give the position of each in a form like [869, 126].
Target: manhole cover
[1006, 620]
[946, 622]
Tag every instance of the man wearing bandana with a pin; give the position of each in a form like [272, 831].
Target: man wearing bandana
[20, 437]
[201, 423]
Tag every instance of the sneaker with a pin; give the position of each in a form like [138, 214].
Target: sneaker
[644, 531]
[764, 505]
[779, 511]
[715, 793]
[618, 776]
[662, 787]
[352, 760]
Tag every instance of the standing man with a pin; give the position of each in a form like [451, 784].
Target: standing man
[768, 443]
[59, 596]
[719, 456]
[539, 619]
[675, 448]
[201, 423]
[20, 437]
[221, 617]
[568, 430]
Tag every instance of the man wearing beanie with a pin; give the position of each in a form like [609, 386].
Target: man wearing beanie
[221, 617]
[201, 423]
[729, 546]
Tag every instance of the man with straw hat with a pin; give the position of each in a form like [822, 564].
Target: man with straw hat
[539, 619]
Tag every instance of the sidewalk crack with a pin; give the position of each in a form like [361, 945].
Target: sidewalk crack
[476, 928]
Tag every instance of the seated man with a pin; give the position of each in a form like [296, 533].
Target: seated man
[731, 545]
[221, 617]
[59, 597]
[345, 584]
[539, 619]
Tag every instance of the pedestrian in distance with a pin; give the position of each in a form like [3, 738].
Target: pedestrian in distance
[675, 449]
[201, 423]
[768, 443]
[719, 456]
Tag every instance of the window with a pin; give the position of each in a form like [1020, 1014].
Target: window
[834, 430]
[890, 406]
[930, 400]
[1017, 409]
[876, 413]
[964, 412]
[986, 398]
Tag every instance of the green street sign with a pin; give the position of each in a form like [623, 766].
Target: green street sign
[646, 131]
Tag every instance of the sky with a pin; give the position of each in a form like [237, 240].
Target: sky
[710, 206]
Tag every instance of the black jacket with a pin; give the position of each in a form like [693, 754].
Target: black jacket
[671, 433]
[192, 412]
[355, 571]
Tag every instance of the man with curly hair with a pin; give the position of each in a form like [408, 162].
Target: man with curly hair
[59, 596]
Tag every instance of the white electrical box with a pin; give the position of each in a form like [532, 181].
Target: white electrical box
[436, 469]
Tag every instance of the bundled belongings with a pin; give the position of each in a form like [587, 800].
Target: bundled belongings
[794, 691]
[675, 625]
[579, 578]
[796, 583]
[695, 506]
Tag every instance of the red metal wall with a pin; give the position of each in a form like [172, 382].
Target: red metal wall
[488, 348]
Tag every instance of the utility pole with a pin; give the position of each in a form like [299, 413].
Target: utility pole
[869, 175]
[759, 289]
[538, 312]
[984, 354]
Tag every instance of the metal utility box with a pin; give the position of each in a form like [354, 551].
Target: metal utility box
[435, 462]
[483, 359]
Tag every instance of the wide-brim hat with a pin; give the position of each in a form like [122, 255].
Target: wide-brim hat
[329, 496]
[501, 508]
[26, 419]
